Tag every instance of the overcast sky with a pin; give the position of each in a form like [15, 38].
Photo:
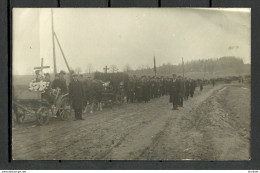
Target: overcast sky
[131, 36]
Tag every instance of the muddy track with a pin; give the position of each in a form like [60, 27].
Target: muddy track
[137, 131]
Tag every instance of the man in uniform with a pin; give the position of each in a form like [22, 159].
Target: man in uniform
[76, 96]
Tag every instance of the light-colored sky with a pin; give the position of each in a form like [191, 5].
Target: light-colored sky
[131, 36]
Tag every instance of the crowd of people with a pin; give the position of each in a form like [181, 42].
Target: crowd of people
[146, 88]
[85, 94]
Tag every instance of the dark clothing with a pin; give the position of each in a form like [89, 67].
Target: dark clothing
[97, 91]
[187, 89]
[174, 93]
[130, 91]
[60, 83]
[192, 88]
[76, 97]
[213, 83]
[138, 91]
[201, 86]
[181, 92]
[145, 91]
[78, 114]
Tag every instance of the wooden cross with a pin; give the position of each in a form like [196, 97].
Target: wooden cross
[41, 67]
[106, 69]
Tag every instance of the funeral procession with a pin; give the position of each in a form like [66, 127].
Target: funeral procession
[128, 89]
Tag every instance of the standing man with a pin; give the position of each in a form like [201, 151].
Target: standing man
[174, 92]
[130, 90]
[145, 89]
[63, 85]
[201, 85]
[187, 89]
[76, 96]
[213, 82]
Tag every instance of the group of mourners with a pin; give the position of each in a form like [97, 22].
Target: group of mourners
[89, 92]
[146, 88]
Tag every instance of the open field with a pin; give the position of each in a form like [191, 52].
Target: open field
[213, 125]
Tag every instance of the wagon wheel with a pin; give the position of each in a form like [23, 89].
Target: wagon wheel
[64, 110]
[42, 115]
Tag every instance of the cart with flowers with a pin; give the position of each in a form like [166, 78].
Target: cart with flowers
[41, 102]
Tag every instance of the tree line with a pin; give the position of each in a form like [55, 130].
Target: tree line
[224, 66]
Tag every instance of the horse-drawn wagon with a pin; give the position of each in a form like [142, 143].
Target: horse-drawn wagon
[33, 104]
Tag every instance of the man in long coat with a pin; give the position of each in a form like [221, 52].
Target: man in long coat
[60, 82]
[174, 92]
[187, 88]
[181, 90]
[76, 96]
[145, 89]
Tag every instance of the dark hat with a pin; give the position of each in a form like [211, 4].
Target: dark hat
[47, 74]
[37, 71]
[62, 72]
[74, 74]
[173, 74]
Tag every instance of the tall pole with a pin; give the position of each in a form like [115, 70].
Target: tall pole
[62, 52]
[154, 63]
[182, 68]
[53, 44]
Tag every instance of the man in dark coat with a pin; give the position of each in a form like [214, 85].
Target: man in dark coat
[76, 96]
[174, 92]
[145, 89]
[201, 85]
[130, 90]
[138, 90]
[60, 82]
[187, 89]
[63, 85]
[192, 87]
[213, 82]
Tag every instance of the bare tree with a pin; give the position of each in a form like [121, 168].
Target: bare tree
[114, 68]
[89, 68]
[127, 68]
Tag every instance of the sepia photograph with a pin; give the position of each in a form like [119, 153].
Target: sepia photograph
[131, 84]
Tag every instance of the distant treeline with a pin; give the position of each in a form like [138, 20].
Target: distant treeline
[221, 67]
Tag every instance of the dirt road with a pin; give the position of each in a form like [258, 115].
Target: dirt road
[213, 125]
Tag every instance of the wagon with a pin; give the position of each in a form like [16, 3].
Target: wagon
[108, 97]
[32, 104]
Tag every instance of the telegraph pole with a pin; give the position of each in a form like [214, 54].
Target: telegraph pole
[62, 52]
[182, 68]
[53, 44]
[154, 66]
